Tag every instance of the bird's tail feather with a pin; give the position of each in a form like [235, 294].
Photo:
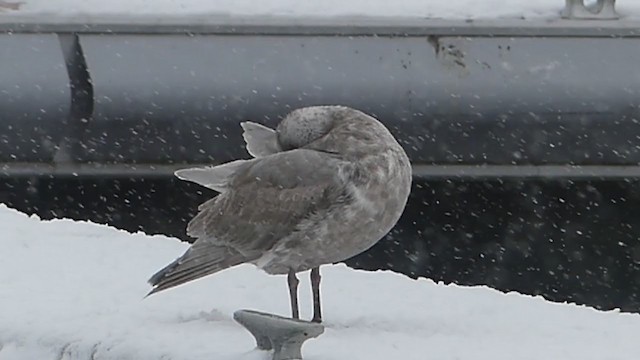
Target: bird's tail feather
[200, 260]
[261, 140]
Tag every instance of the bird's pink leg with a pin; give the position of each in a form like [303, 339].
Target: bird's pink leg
[293, 294]
[315, 288]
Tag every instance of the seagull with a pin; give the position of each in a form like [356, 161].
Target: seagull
[10, 5]
[327, 184]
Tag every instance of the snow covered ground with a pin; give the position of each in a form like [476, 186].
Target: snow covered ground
[74, 290]
[443, 9]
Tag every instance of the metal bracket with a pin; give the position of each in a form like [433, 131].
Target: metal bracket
[282, 335]
[601, 10]
[71, 147]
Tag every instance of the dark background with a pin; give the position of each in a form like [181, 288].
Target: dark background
[573, 241]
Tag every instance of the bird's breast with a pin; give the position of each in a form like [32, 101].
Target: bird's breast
[380, 191]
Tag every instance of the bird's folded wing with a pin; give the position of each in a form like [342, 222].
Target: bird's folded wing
[268, 198]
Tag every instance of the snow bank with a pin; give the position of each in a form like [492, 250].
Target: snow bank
[74, 290]
[443, 9]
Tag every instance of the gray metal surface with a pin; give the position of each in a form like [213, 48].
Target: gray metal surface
[34, 96]
[284, 336]
[508, 94]
[339, 25]
[151, 171]
[450, 100]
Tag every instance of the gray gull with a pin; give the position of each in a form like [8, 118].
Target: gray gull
[327, 184]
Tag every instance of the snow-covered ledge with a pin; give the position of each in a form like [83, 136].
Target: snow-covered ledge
[353, 17]
[419, 9]
[357, 16]
[75, 290]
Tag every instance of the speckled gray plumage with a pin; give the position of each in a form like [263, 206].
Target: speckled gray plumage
[328, 184]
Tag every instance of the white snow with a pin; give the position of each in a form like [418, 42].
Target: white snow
[74, 290]
[442, 9]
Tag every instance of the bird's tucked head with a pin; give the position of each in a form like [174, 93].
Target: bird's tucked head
[335, 129]
[306, 125]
